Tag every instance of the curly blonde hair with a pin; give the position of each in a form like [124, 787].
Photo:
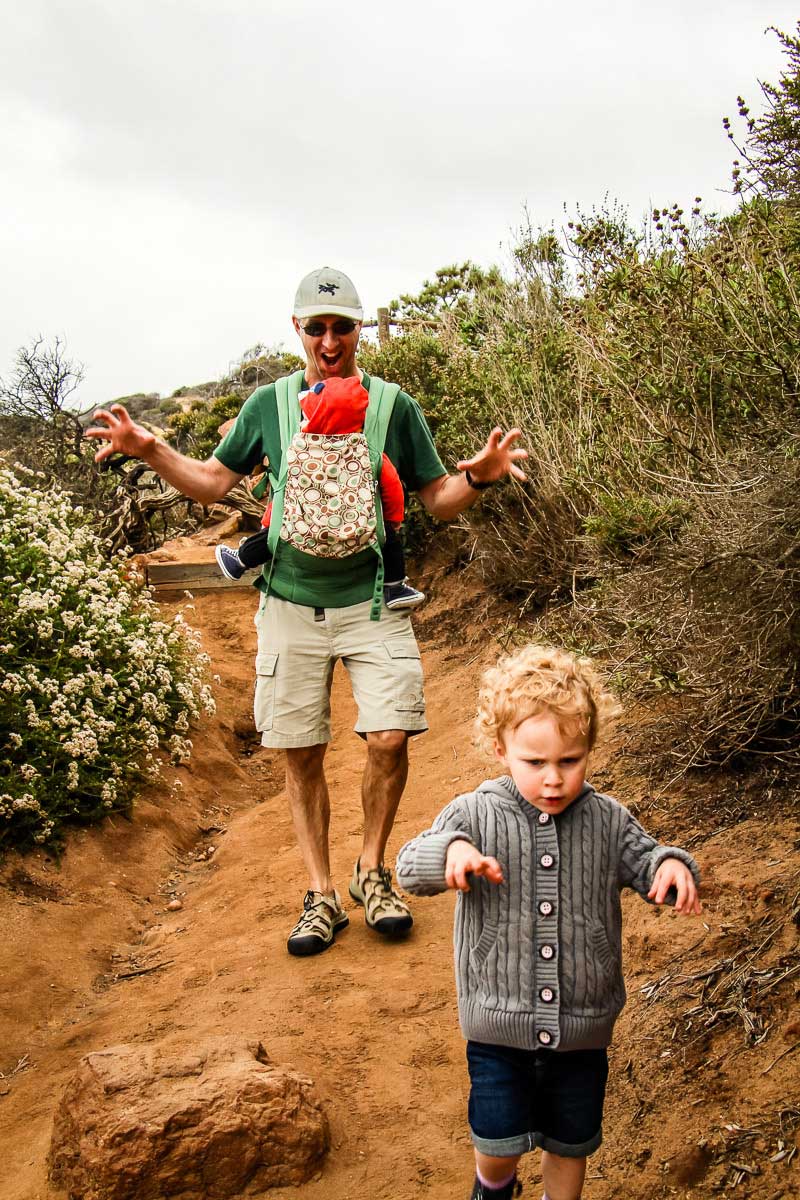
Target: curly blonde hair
[542, 679]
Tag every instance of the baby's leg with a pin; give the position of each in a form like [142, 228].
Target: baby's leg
[254, 551]
[394, 562]
[562, 1177]
[397, 591]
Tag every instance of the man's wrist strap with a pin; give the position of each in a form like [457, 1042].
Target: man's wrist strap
[479, 487]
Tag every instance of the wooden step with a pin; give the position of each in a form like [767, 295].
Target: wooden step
[165, 577]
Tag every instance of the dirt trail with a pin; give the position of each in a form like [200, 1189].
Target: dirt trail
[90, 957]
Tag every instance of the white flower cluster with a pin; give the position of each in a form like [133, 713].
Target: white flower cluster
[92, 681]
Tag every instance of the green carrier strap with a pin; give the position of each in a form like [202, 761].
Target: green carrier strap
[258, 488]
[376, 424]
[287, 390]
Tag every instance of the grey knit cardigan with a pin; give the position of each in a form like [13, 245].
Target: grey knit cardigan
[538, 958]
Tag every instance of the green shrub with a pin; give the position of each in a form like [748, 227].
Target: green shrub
[622, 525]
[417, 361]
[438, 370]
[715, 616]
[196, 432]
[769, 160]
[92, 682]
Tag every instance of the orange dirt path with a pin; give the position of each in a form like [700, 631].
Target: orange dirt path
[91, 957]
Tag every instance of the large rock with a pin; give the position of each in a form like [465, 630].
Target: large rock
[220, 524]
[143, 1123]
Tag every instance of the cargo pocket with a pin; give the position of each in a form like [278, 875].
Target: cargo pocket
[404, 654]
[264, 704]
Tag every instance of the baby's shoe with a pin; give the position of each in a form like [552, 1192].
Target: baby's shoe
[402, 595]
[228, 561]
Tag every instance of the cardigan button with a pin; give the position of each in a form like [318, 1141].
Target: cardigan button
[544, 818]
[547, 995]
[544, 1037]
[546, 861]
[545, 908]
[547, 951]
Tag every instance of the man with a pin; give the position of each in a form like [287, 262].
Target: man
[318, 611]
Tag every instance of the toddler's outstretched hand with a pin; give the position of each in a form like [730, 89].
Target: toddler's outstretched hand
[464, 859]
[674, 874]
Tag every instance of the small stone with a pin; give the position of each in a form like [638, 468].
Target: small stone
[175, 905]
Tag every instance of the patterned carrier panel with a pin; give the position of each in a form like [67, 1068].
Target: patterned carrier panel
[329, 499]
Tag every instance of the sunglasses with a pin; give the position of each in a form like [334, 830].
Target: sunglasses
[341, 327]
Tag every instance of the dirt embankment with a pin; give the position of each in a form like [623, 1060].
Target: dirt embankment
[704, 1096]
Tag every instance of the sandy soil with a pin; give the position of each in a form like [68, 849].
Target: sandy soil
[704, 1096]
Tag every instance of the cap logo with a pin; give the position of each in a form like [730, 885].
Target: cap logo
[330, 288]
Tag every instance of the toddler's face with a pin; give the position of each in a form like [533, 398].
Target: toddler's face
[548, 766]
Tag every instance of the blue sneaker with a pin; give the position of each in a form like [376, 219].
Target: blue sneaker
[228, 561]
[402, 595]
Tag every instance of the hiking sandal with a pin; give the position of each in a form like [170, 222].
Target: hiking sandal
[384, 910]
[320, 921]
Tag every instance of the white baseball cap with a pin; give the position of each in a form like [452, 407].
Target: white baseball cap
[327, 292]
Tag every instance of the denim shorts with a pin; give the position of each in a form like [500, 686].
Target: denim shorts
[521, 1099]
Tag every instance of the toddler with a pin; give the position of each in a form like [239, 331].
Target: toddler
[539, 859]
[339, 406]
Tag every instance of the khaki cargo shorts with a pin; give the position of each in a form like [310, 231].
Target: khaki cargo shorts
[298, 648]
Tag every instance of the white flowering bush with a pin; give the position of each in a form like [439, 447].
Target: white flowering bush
[92, 680]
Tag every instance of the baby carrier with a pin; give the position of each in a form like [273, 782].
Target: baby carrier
[325, 495]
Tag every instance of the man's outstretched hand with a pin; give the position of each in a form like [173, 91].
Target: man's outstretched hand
[122, 435]
[498, 458]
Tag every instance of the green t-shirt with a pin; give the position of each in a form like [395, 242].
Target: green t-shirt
[305, 578]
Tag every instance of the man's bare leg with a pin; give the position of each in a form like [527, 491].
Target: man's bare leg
[307, 793]
[385, 777]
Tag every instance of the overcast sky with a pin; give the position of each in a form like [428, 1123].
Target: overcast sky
[170, 170]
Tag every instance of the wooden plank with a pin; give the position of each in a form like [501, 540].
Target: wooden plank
[194, 577]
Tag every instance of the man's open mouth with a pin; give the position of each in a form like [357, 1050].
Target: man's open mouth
[331, 360]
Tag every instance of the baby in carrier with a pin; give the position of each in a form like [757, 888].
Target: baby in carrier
[338, 406]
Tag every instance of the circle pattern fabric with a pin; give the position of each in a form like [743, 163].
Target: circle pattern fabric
[329, 498]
